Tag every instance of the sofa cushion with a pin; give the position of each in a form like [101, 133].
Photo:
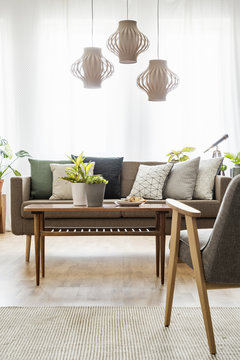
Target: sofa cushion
[150, 181]
[67, 214]
[110, 168]
[41, 177]
[184, 248]
[182, 180]
[208, 208]
[208, 170]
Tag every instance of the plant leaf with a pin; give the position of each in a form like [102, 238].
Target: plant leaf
[188, 149]
[3, 142]
[16, 172]
[230, 156]
[184, 158]
[3, 154]
[22, 153]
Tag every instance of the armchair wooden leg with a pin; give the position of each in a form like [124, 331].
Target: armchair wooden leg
[28, 247]
[172, 268]
[200, 280]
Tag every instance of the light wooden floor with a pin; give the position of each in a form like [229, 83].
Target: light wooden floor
[95, 271]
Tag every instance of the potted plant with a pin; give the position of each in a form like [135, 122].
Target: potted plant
[178, 155]
[235, 159]
[7, 160]
[96, 185]
[77, 175]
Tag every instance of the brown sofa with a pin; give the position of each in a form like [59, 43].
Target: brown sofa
[22, 223]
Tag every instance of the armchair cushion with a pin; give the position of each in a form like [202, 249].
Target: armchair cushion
[184, 248]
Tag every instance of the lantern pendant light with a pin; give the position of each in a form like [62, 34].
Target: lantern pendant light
[158, 79]
[92, 68]
[127, 42]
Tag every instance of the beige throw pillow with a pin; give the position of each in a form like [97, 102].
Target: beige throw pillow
[182, 180]
[61, 189]
[208, 169]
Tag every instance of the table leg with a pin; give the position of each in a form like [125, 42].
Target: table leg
[37, 246]
[157, 243]
[42, 244]
[162, 244]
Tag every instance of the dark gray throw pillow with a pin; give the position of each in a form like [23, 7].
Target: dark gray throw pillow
[110, 168]
[182, 180]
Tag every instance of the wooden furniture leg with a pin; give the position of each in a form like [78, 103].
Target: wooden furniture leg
[200, 280]
[28, 247]
[157, 243]
[37, 246]
[42, 244]
[2, 213]
[172, 267]
[162, 242]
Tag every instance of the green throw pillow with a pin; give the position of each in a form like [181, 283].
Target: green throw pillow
[41, 177]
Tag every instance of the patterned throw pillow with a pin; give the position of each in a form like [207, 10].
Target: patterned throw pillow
[208, 169]
[150, 181]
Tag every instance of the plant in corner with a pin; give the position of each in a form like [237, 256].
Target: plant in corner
[7, 160]
[96, 185]
[178, 155]
[77, 175]
[235, 159]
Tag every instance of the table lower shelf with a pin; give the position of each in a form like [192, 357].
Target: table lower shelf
[99, 231]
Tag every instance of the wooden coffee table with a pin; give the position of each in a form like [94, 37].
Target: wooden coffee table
[40, 230]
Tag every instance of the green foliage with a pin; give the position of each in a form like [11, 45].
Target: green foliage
[178, 155]
[223, 167]
[6, 156]
[96, 179]
[79, 172]
[235, 158]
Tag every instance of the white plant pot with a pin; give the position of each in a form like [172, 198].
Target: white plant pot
[79, 194]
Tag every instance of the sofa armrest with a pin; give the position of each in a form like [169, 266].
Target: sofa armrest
[221, 184]
[20, 191]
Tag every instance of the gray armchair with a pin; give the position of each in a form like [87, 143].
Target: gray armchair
[214, 254]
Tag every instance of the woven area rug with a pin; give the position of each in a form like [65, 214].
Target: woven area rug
[115, 333]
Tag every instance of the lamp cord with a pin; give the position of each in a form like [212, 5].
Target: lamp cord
[158, 29]
[92, 20]
[127, 9]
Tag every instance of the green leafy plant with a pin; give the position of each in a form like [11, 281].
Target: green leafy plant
[79, 172]
[223, 167]
[235, 158]
[96, 179]
[178, 155]
[7, 158]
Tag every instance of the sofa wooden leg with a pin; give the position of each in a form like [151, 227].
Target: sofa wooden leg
[28, 247]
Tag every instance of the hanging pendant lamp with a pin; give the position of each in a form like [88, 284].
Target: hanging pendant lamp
[158, 79]
[127, 42]
[92, 68]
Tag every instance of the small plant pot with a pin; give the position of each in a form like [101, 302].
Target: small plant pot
[95, 194]
[1, 185]
[235, 170]
[79, 194]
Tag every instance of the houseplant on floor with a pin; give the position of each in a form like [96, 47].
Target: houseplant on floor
[96, 185]
[235, 159]
[7, 160]
[77, 175]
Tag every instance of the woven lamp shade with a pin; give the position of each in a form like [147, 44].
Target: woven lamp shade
[127, 42]
[157, 80]
[92, 68]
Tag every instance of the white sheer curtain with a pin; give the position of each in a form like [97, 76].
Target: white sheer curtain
[45, 110]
